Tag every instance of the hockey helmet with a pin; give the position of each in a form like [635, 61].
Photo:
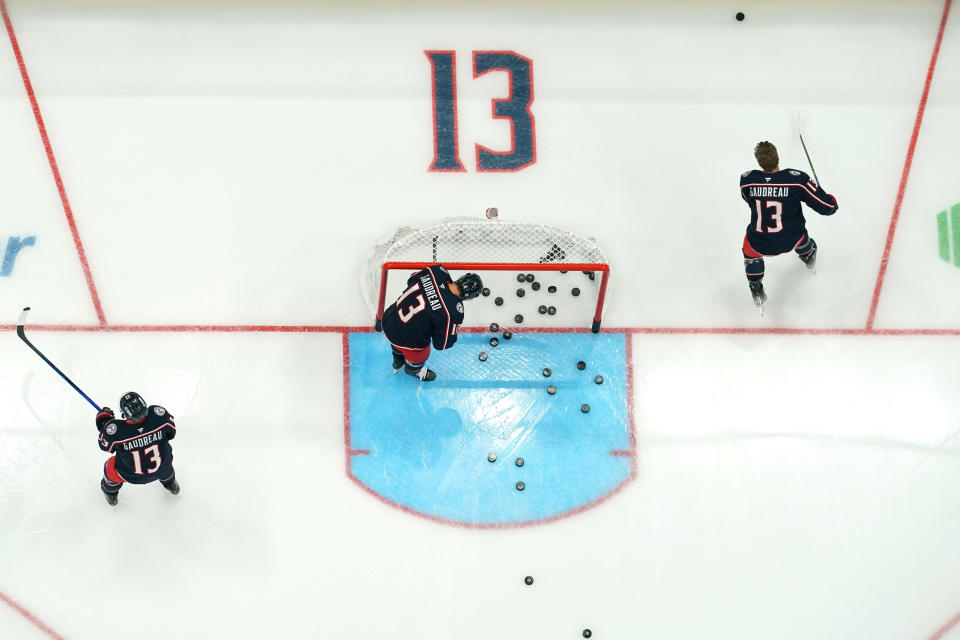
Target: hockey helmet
[132, 407]
[470, 286]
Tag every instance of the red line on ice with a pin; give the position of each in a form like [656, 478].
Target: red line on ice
[906, 169]
[942, 631]
[308, 328]
[53, 164]
[34, 620]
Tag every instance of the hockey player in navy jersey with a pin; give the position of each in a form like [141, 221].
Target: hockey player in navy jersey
[776, 219]
[140, 444]
[429, 310]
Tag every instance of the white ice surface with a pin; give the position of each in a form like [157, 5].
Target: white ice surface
[231, 165]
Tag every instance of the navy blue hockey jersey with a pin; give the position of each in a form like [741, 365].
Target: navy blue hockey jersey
[427, 310]
[776, 219]
[142, 448]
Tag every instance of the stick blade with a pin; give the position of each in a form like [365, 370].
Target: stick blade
[22, 320]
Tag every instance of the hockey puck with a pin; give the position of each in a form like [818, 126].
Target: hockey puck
[546, 372]
[551, 389]
[482, 356]
[507, 335]
[535, 286]
[518, 318]
[529, 277]
[598, 379]
[542, 309]
[494, 342]
[740, 16]
[575, 291]
[587, 633]
[581, 365]
[528, 580]
[563, 272]
[494, 327]
[551, 289]
[485, 292]
[552, 311]
[518, 462]
[521, 486]
[521, 277]
[585, 408]
[521, 293]
[591, 275]
[498, 301]
[492, 457]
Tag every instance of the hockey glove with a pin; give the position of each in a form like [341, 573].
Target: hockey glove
[105, 416]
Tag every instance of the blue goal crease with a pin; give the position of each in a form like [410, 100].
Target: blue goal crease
[430, 444]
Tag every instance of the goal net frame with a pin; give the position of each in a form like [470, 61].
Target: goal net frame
[421, 247]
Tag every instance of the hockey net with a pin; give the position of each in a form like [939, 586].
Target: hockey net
[564, 274]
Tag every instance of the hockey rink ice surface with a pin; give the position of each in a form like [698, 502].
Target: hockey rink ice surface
[187, 195]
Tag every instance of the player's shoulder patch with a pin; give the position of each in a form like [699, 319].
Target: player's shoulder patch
[745, 174]
[111, 429]
[160, 411]
[460, 307]
[794, 172]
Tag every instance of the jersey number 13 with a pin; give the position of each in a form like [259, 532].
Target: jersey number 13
[776, 216]
[152, 455]
[418, 304]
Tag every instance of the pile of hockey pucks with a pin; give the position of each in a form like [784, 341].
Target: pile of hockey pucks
[551, 389]
[519, 462]
[581, 365]
[530, 279]
[494, 341]
[547, 372]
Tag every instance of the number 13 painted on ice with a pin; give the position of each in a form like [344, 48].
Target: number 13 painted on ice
[515, 108]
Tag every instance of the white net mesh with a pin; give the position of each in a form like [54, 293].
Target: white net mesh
[489, 241]
[495, 242]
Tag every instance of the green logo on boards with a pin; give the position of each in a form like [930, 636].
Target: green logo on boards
[948, 229]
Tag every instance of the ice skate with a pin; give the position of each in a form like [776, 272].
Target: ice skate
[425, 375]
[759, 297]
[811, 258]
[173, 486]
[111, 497]
[398, 363]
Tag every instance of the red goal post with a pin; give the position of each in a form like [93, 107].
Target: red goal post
[469, 244]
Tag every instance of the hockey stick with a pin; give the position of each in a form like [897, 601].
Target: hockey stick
[23, 317]
[809, 161]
